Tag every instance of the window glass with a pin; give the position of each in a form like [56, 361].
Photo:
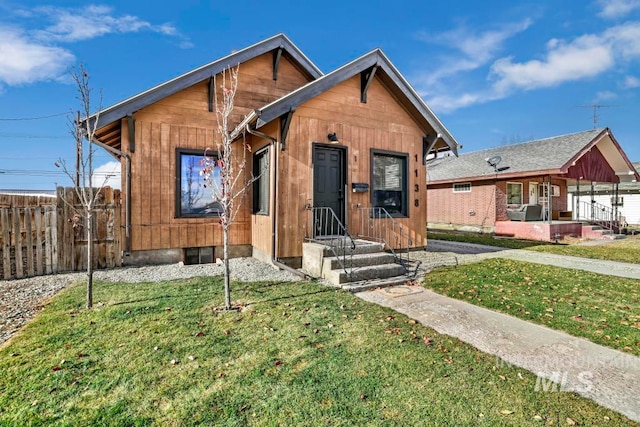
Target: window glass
[462, 188]
[514, 193]
[261, 184]
[194, 194]
[390, 183]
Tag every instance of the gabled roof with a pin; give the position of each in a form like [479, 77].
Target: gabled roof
[148, 97]
[388, 75]
[540, 157]
[628, 187]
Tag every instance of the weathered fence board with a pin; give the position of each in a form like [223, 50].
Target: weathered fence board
[6, 243]
[45, 235]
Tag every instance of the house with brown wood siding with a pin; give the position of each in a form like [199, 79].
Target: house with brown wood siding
[490, 190]
[344, 141]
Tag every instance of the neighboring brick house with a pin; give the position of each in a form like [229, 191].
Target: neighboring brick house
[472, 192]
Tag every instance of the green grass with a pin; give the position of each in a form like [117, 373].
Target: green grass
[603, 309]
[625, 250]
[483, 239]
[298, 354]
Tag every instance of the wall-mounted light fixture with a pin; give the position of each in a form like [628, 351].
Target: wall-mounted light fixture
[333, 138]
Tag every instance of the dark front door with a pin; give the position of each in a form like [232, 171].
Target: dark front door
[328, 190]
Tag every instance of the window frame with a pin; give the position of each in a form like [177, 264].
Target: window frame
[404, 198]
[178, 186]
[457, 185]
[257, 194]
[507, 193]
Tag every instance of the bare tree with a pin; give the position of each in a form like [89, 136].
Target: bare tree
[192, 194]
[224, 169]
[83, 130]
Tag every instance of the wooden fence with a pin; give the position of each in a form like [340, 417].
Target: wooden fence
[45, 235]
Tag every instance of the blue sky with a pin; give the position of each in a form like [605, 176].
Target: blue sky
[495, 72]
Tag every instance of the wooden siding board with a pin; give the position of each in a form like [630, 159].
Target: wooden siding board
[155, 184]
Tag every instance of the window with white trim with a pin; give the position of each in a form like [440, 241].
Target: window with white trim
[514, 193]
[464, 187]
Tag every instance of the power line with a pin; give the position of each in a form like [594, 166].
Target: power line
[41, 172]
[34, 136]
[16, 119]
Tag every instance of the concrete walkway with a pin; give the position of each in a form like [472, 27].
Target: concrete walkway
[464, 253]
[609, 377]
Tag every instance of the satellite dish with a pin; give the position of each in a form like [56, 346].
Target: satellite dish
[494, 161]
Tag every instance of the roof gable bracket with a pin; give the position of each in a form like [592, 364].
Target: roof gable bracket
[277, 54]
[366, 77]
[285, 122]
[428, 142]
[132, 133]
[212, 82]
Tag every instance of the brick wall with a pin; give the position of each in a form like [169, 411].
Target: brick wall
[483, 205]
[474, 208]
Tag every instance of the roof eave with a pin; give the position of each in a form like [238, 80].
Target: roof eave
[374, 58]
[499, 176]
[148, 97]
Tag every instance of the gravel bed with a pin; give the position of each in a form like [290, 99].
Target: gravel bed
[22, 299]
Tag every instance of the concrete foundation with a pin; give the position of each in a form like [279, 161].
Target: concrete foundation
[151, 257]
[441, 226]
[175, 255]
[235, 251]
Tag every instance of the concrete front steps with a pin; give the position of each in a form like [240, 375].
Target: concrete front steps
[367, 266]
[599, 233]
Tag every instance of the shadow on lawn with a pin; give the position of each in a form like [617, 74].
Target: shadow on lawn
[262, 289]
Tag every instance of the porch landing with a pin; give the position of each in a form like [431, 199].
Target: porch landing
[539, 230]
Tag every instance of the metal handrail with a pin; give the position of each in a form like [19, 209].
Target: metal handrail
[599, 214]
[374, 225]
[327, 229]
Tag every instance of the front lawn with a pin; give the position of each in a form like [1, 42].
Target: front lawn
[625, 250]
[298, 354]
[483, 239]
[603, 309]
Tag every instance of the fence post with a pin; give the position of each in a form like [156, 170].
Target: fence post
[6, 243]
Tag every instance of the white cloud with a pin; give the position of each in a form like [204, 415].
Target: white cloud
[24, 61]
[29, 55]
[70, 25]
[584, 57]
[612, 9]
[107, 174]
[631, 82]
[604, 95]
[625, 39]
[475, 49]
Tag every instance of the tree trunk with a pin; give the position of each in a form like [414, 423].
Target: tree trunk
[89, 261]
[227, 271]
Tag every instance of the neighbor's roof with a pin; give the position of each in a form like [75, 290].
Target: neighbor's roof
[129, 106]
[385, 71]
[623, 187]
[535, 157]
